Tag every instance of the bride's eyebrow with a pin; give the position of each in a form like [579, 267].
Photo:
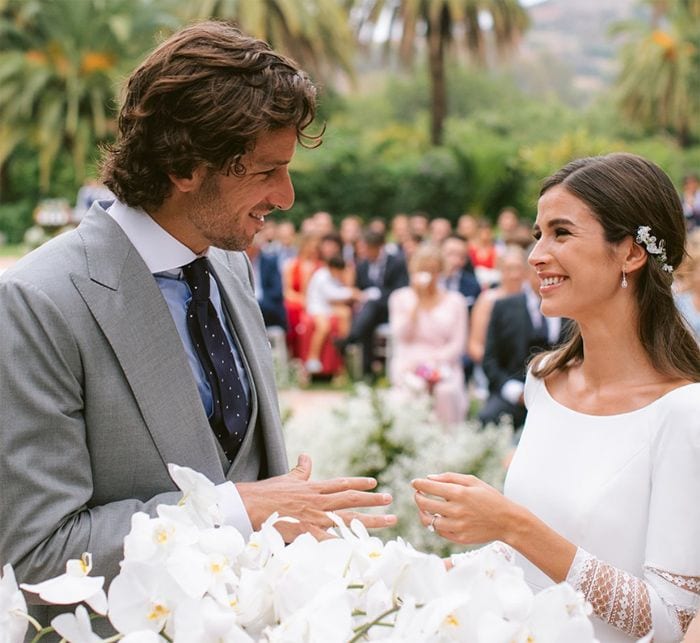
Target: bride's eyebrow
[553, 223]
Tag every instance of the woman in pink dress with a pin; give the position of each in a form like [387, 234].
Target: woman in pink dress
[429, 334]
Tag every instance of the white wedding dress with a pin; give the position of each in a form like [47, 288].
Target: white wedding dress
[626, 490]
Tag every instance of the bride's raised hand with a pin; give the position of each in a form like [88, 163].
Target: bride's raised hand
[468, 510]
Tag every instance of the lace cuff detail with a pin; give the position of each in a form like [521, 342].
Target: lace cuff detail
[617, 597]
[623, 600]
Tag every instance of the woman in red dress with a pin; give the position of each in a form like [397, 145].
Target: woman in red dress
[295, 278]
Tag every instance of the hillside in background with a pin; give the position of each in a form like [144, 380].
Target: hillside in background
[569, 49]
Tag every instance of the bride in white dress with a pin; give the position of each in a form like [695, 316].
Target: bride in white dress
[604, 488]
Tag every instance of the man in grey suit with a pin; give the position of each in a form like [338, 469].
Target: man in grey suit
[101, 384]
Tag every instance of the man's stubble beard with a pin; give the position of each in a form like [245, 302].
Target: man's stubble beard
[206, 214]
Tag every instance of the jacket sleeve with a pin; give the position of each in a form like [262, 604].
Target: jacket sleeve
[495, 371]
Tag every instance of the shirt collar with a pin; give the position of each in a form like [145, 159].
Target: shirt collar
[160, 251]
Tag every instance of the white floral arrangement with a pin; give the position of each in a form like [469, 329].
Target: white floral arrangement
[186, 578]
[394, 436]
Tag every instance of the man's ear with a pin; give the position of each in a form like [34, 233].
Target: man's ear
[190, 183]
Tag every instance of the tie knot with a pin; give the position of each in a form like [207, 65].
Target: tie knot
[197, 277]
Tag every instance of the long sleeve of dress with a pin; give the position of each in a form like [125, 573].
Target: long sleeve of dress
[660, 601]
[665, 595]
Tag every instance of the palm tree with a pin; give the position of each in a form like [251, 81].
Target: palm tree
[59, 65]
[471, 26]
[315, 33]
[659, 82]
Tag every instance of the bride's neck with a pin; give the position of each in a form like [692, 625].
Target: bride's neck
[613, 354]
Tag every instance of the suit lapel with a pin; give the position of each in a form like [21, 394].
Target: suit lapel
[126, 302]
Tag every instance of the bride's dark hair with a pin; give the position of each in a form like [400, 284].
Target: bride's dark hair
[625, 191]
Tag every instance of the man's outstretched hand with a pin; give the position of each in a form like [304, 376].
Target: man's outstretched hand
[294, 494]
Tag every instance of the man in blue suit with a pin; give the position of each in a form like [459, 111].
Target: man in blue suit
[268, 286]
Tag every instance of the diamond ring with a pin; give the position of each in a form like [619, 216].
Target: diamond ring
[431, 526]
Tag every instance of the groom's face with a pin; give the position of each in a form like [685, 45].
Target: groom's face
[228, 210]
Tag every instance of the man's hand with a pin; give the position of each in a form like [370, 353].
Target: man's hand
[295, 495]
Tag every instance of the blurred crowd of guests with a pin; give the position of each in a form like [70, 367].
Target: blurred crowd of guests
[455, 303]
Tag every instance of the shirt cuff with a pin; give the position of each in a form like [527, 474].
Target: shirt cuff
[233, 509]
[512, 390]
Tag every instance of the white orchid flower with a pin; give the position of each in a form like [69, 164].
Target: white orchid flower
[152, 539]
[408, 572]
[13, 608]
[143, 597]
[494, 629]
[253, 602]
[326, 618]
[303, 569]
[205, 620]
[264, 543]
[365, 548]
[199, 496]
[560, 613]
[75, 586]
[496, 583]
[76, 628]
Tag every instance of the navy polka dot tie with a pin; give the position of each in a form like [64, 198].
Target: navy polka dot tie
[231, 410]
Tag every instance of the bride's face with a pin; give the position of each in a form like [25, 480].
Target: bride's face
[579, 271]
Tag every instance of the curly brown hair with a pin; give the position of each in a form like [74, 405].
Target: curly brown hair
[202, 97]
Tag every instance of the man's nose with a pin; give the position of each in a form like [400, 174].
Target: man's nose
[283, 197]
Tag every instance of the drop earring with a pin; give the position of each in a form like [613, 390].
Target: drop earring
[624, 279]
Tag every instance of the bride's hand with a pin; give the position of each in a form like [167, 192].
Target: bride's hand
[469, 511]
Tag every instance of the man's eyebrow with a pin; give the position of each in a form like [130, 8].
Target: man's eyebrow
[273, 162]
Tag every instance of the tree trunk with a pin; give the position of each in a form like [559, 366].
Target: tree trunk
[437, 83]
[684, 137]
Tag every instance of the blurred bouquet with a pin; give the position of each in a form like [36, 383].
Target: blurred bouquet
[187, 578]
[428, 374]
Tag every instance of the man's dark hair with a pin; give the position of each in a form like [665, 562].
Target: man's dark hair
[334, 237]
[373, 238]
[203, 97]
[336, 261]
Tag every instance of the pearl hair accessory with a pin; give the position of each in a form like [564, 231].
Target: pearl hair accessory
[658, 250]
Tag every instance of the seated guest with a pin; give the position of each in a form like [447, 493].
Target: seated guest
[332, 246]
[429, 331]
[439, 229]
[295, 279]
[268, 286]
[507, 224]
[466, 227]
[285, 243]
[512, 265]
[455, 276]
[516, 331]
[322, 223]
[482, 248]
[377, 276]
[328, 304]
[350, 231]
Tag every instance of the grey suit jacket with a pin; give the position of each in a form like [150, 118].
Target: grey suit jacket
[97, 397]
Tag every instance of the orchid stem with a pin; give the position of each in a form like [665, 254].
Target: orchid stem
[37, 626]
[361, 631]
[40, 634]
